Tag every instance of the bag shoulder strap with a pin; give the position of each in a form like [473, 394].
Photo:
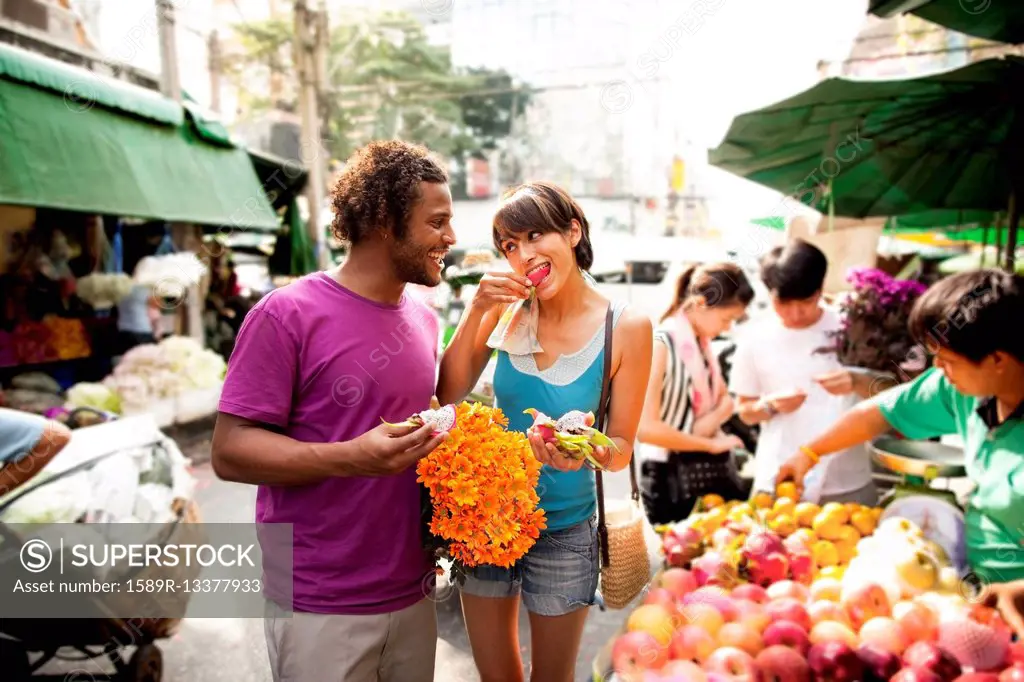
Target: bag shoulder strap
[603, 407]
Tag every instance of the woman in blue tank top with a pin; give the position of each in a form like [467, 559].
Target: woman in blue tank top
[542, 231]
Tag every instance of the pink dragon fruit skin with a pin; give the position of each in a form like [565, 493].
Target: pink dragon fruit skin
[761, 543]
[974, 644]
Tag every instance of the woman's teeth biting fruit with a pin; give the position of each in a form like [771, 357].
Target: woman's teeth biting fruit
[537, 275]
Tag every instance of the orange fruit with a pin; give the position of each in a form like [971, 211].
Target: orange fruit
[763, 501]
[805, 513]
[711, 501]
[786, 489]
[864, 521]
[825, 554]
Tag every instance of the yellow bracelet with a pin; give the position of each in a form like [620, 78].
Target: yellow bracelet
[814, 457]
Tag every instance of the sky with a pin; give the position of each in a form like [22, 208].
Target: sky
[723, 57]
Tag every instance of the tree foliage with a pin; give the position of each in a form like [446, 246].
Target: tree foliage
[384, 79]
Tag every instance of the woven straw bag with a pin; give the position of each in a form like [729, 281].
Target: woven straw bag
[625, 564]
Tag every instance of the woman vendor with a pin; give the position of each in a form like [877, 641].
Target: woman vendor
[973, 324]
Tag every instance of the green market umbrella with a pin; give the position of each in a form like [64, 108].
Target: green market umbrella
[1001, 20]
[889, 147]
[974, 261]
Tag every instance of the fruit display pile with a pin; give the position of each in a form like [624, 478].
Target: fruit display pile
[772, 591]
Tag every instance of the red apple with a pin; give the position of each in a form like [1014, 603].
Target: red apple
[928, 656]
[752, 615]
[782, 664]
[879, 664]
[683, 670]
[679, 582]
[637, 651]
[823, 609]
[865, 602]
[885, 633]
[1015, 673]
[918, 620]
[732, 661]
[654, 619]
[916, 675]
[718, 677]
[691, 643]
[713, 596]
[742, 637]
[789, 609]
[705, 616]
[751, 592]
[788, 588]
[789, 634]
[978, 677]
[661, 597]
[835, 662]
[831, 631]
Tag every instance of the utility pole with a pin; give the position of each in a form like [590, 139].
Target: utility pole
[310, 58]
[170, 83]
[216, 67]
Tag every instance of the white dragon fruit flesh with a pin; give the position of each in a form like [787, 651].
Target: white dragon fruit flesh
[443, 419]
[573, 433]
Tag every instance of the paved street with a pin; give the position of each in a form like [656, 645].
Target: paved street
[222, 650]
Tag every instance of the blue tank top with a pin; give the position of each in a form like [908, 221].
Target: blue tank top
[572, 383]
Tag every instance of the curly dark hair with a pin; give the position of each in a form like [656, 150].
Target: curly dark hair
[379, 187]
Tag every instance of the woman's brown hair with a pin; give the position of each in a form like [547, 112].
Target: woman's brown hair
[721, 284]
[544, 207]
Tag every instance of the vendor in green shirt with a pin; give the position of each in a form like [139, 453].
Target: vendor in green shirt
[973, 325]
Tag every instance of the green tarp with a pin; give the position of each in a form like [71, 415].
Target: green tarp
[72, 140]
[1001, 20]
[947, 141]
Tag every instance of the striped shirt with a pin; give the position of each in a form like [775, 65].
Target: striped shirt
[676, 391]
[676, 387]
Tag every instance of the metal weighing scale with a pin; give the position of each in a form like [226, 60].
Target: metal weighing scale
[936, 510]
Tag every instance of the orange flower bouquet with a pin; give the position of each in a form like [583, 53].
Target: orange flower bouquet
[482, 485]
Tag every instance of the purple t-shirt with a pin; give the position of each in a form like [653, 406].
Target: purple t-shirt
[326, 365]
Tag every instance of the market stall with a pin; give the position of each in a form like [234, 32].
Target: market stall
[99, 253]
[774, 589]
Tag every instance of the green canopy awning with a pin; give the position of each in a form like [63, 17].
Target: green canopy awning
[1001, 20]
[72, 140]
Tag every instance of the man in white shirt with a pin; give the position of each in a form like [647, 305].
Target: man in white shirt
[784, 382]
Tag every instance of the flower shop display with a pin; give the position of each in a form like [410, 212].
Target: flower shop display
[176, 380]
[103, 290]
[874, 332]
[481, 481]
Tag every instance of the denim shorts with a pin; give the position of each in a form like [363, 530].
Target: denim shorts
[557, 576]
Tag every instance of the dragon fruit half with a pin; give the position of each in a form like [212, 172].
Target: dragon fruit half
[443, 419]
[573, 433]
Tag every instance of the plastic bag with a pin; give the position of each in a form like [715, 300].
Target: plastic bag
[516, 331]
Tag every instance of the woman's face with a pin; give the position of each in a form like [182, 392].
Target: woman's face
[715, 321]
[546, 258]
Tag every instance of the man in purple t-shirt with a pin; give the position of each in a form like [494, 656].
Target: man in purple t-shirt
[316, 367]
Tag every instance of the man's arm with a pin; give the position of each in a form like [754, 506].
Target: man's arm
[245, 451]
